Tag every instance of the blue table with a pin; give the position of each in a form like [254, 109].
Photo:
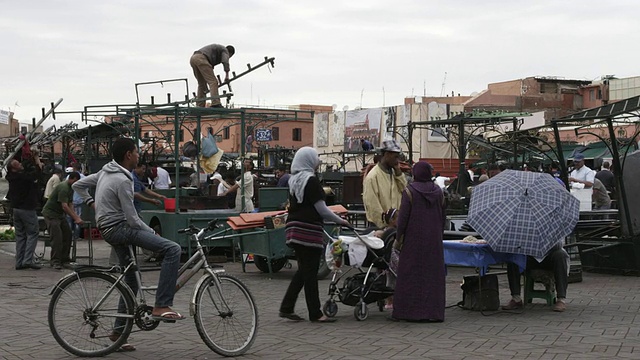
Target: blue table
[480, 256]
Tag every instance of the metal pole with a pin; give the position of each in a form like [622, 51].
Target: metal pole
[462, 179]
[564, 175]
[620, 179]
[515, 144]
[410, 142]
[176, 155]
[242, 158]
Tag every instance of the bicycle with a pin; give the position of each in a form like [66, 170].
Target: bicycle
[85, 305]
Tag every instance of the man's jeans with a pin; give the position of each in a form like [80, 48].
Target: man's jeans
[27, 229]
[122, 236]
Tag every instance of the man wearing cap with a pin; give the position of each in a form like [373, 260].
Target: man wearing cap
[54, 211]
[202, 62]
[581, 173]
[383, 185]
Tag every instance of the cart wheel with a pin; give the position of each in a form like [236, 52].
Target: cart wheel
[330, 308]
[361, 311]
[262, 265]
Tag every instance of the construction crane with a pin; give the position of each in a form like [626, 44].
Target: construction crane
[444, 82]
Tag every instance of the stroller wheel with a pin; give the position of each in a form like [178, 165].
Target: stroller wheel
[330, 308]
[361, 311]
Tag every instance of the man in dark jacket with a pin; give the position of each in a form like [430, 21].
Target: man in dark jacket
[202, 62]
[24, 195]
[606, 177]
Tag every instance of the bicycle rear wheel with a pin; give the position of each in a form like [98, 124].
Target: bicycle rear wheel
[78, 326]
[226, 317]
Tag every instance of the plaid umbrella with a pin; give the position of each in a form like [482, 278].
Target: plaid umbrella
[523, 212]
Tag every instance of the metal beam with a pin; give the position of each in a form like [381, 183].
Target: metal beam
[30, 134]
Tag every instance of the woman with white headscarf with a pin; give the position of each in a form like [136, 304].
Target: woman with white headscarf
[307, 210]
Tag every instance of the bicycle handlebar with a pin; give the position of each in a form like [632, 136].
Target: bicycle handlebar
[212, 225]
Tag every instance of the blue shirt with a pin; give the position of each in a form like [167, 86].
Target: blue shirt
[367, 146]
[284, 181]
[138, 187]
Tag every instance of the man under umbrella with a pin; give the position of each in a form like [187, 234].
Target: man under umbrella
[526, 213]
[557, 261]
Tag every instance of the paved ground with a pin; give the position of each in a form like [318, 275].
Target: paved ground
[601, 322]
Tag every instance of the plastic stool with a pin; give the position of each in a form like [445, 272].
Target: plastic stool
[539, 276]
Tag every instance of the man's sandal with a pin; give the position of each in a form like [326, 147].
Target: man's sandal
[126, 347]
[168, 317]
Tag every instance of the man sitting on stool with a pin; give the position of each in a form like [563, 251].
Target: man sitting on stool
[557, 260]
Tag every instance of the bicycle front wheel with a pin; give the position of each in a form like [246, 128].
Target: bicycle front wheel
[82, 327]
[226, 315]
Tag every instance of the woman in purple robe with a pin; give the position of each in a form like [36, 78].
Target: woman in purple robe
[420, 286]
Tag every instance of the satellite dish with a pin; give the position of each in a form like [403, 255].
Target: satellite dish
[334, 107]
[418, 100]
[345, 108]
[475, 93]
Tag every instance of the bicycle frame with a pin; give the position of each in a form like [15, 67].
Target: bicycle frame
[185, 273]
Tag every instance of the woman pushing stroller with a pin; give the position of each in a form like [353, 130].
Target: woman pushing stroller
[304, 233]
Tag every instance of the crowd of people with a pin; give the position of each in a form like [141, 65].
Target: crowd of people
[413, 211]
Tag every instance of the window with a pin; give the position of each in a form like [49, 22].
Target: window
[548, 88]
[592, 95]
[297, 134]
[275, 133]
[182, 135]
[225, 133]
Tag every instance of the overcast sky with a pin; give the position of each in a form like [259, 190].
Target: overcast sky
[327, 52]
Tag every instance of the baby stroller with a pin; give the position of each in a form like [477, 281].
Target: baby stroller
[368, 257]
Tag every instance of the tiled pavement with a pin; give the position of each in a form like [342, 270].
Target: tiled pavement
[601, 322]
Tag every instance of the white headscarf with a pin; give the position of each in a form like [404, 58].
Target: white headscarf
[303, 167]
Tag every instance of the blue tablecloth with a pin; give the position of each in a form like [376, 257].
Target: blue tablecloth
[478, 255]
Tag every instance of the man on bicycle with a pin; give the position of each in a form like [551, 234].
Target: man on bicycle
[120, 225]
